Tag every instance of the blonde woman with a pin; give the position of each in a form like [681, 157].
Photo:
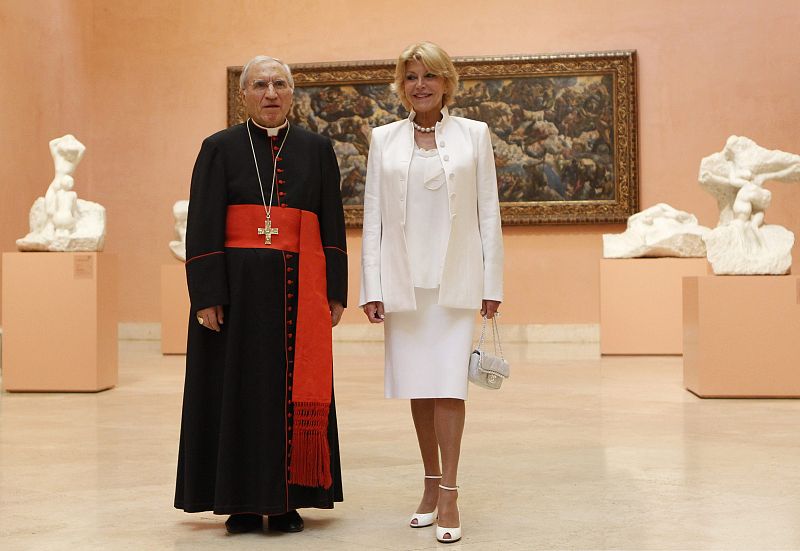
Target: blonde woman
[432, 255]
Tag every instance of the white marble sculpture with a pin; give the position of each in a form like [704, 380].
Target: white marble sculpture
[181, 211]
[60, 221]
[741, 243]
[657, 231]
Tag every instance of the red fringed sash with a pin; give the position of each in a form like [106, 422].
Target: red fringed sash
[298, 232]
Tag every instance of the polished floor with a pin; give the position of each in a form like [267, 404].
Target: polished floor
[577, 451]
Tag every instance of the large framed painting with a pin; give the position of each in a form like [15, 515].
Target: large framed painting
[564, 128]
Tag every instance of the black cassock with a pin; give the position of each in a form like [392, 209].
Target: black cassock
[236, 429]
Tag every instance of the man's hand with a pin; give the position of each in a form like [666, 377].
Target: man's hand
[211, 318]
[336, 312]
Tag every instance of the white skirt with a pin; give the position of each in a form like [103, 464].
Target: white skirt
[427, 350]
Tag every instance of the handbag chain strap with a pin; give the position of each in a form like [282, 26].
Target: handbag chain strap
[498, 345]
[483, 334]
[497, 342]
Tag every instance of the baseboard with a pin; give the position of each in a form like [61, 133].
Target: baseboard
[542, 333]
[353, 332]
[139, 331]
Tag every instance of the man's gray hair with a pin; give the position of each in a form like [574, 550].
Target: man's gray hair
[258, 60]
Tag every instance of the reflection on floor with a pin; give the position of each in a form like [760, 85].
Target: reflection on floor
[574, 452]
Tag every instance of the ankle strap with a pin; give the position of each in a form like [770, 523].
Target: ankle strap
[433, 476]
[452, 489]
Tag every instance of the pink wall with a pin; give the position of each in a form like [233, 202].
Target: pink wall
[39, 100]
[151, 84]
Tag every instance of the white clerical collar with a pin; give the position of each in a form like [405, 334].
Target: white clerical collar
[272, 131]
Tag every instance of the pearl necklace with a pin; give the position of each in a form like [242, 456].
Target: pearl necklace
[426, 130]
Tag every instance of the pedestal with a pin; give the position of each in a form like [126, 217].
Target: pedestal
[741, 336]
[174, 309]
[59, 321]
[640, 304]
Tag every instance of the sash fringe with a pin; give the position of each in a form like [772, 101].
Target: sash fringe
[311, 459]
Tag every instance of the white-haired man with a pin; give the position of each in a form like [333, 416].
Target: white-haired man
[266, 266]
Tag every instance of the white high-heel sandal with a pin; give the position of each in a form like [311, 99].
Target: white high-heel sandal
[424, 519]
[444, 534]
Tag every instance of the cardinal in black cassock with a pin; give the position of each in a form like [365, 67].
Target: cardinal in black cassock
[266, 265]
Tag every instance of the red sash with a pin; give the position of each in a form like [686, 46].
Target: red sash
[298, 232]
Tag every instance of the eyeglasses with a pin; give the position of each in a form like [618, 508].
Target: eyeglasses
[261, 86]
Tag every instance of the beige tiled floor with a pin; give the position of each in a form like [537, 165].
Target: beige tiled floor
[575, 452]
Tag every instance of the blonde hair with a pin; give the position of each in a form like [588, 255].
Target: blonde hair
[435, 60]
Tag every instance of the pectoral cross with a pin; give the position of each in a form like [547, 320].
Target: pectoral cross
[268, 231]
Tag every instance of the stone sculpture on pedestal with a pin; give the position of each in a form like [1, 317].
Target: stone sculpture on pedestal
[656, 232]
[741, 243]
[60, 221]
[180, 210]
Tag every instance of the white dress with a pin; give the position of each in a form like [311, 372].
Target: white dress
[427, 350]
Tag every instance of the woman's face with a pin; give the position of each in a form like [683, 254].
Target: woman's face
[423, 89]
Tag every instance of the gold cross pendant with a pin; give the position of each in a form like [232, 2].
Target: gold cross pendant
[268, 231]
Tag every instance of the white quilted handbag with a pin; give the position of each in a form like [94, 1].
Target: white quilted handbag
[488, 370]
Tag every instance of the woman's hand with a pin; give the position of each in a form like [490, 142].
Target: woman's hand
[489, 308]
[374, 311]
[211, 318]
[336, 312]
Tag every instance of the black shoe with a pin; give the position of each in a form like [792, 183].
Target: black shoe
[243, 522]
[287, 522]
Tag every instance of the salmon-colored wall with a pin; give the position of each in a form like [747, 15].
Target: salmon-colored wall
[150, 85]
[42, 96]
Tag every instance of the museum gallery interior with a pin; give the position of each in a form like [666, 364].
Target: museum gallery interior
[648, 173]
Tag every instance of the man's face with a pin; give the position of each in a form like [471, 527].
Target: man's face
[267, 94]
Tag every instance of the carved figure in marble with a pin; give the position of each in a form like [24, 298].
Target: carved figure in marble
[180, 210]
[60, 221]
[742, 243]
[658, 231]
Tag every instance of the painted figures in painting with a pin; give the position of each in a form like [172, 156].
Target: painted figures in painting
[552, 136]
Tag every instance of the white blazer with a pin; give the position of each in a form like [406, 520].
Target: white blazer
[473, 265]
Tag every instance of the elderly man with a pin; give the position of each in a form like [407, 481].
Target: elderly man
[266, 265]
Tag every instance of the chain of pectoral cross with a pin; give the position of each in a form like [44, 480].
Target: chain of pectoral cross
[268, 231]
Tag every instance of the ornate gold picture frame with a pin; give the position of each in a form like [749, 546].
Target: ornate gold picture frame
[564, 128]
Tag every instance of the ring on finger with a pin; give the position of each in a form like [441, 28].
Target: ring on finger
[200, 320]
